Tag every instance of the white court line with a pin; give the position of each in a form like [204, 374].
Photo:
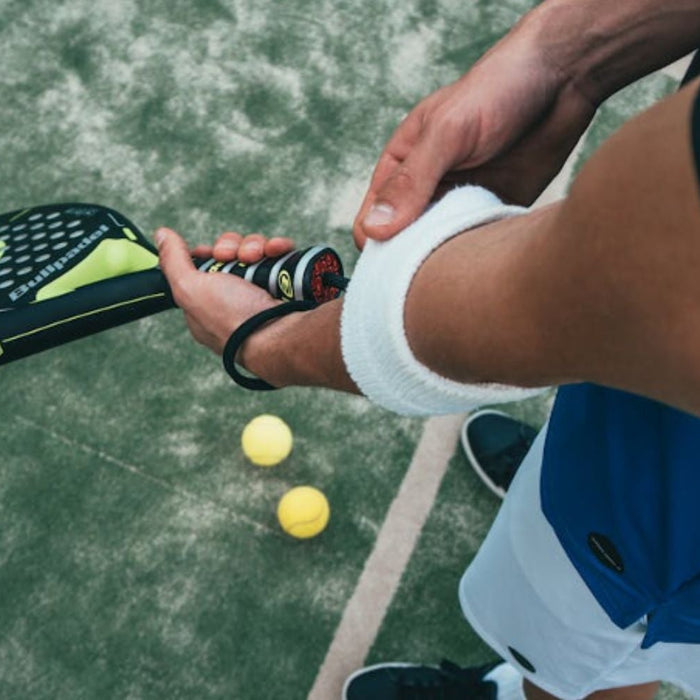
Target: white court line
[140, 473]
[380, 578]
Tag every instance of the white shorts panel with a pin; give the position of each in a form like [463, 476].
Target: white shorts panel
[522, 592]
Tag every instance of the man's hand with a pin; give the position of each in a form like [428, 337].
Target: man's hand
[216, 304]
[511, 121]
[508, 124]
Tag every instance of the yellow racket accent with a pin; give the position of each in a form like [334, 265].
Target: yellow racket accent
[87, 314]
[285, 284]
[3, 245]
[19, 214]
[110, 258]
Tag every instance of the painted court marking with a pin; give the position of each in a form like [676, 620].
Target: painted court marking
[380, 578]
[141, 474]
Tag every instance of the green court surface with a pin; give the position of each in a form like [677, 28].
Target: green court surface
[140, 556]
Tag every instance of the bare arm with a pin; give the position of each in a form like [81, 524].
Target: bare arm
[601, 287]
[606, 45]
[512, 119]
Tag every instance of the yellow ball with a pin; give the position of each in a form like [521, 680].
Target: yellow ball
[266, 440]
[303, 512]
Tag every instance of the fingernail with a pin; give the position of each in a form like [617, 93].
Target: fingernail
[252, 248]
[159, 236]
[379, 215]
[227, 245]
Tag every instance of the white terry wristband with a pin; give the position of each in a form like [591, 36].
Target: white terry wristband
[374, 344]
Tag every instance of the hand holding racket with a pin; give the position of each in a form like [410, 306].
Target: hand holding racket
[70, 270]
[214, 305]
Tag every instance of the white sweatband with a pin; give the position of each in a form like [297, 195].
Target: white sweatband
[374, 344]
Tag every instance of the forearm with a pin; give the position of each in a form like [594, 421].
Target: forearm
[602, 287]
[478, 309]
[523, 302]
[301, 349]
[520, 301]
[604, 45]
[493, 304]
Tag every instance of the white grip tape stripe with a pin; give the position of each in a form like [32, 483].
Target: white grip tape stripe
[301, 269]
[205, 267]
[248, 277]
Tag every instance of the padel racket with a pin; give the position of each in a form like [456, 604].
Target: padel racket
[71, 270]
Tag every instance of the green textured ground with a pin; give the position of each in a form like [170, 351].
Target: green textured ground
[139, 553]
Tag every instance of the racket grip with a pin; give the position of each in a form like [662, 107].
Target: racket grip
[311, 274]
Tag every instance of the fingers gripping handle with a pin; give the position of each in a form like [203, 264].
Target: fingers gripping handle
[311, 274]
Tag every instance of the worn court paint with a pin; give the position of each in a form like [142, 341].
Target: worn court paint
[394, 545]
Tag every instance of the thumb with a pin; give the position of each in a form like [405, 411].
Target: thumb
[404, 194]
[175, 262]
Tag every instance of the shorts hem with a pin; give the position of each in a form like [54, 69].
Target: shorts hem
[506, 656]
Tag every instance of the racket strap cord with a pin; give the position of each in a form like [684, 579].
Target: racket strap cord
[247, 328]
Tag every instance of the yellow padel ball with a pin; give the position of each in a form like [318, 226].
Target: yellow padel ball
[303, 512]
[266, 440]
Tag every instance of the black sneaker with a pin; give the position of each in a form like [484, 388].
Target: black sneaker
[415, 682]
[495, 445]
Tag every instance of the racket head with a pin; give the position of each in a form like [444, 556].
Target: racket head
[54, 249]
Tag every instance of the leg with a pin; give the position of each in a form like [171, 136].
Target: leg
[498, 444]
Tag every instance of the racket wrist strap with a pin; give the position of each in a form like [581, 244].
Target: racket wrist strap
[245, 330]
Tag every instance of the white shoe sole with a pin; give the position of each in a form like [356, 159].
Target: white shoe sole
[494, 488]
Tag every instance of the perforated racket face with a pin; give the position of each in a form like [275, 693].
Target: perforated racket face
[42, 248]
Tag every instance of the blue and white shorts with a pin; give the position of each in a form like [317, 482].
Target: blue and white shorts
[526, 600]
